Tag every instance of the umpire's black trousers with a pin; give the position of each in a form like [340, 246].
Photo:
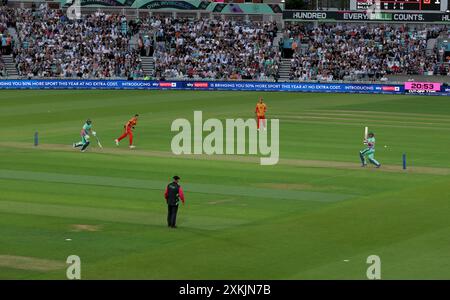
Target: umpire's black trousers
[172, 215]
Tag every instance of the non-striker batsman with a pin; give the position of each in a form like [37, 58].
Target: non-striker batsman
[85, 131]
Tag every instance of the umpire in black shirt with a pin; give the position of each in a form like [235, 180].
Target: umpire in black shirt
[173, 194]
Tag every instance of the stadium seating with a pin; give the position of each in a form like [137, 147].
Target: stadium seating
[213, 49]
[353, 52]
[50, 45]
[101, 45]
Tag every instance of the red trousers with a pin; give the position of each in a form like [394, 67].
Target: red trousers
[128, 132]
[261, 120]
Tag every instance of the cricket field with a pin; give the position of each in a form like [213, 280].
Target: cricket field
[315, 215]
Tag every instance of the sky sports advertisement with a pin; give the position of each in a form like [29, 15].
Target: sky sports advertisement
[409, 87]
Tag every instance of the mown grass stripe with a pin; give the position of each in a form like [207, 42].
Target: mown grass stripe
[116, 215]
[361, 120]
[382, 113]
[367, 118]
[160, 185]
[346, 123]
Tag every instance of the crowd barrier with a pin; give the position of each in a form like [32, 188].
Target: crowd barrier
[366, 88]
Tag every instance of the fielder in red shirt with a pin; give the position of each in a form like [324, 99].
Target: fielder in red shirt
[129, 126]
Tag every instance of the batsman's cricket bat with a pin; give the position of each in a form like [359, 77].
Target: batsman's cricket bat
[366, 133]
[98, 142]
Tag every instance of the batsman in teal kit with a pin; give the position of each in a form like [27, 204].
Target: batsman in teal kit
[369, 152]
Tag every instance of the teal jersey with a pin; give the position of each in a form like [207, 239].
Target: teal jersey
[86, 128]
[371, 143]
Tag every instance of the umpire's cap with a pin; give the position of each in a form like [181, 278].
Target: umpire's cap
[176, 177]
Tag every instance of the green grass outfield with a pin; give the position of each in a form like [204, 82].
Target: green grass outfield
[315, 215]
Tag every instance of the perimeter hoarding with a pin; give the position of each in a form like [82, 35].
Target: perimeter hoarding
[213, 86]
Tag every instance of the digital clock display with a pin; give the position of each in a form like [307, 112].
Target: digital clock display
[422, 5]
[423, 86]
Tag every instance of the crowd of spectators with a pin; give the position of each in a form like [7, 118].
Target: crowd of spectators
[6, 20]
[208, 48]
[3, 72]
[100, 45]
[351, 52]
[51, 45]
